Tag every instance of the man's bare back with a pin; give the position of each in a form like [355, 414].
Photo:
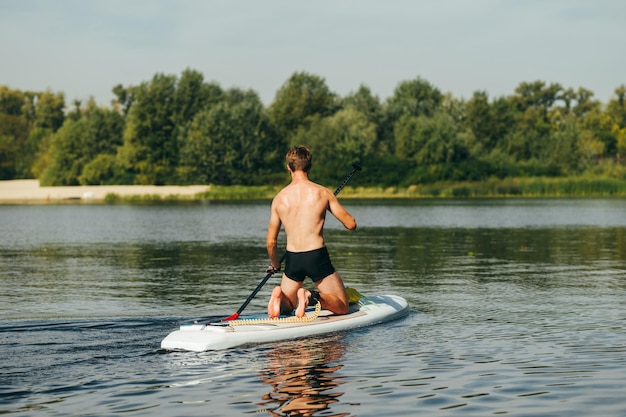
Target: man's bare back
[301, 209]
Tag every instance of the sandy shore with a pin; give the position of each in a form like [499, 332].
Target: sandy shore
[29, 191]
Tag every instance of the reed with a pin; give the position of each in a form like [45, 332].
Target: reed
[508, 187]
[584, 186]
[239, 192]
[113, 198]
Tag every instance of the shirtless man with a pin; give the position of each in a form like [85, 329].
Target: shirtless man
[301, 208]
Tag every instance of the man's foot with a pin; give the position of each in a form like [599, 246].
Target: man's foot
[303, 301]
[273, 307]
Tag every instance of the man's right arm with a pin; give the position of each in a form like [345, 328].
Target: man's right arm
[271, 239]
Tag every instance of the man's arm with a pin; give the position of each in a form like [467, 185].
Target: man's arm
[272, 238]
[337, 210]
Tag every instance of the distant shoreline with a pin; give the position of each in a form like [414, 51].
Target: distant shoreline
[30, 192]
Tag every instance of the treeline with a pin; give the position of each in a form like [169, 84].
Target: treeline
[185, 130]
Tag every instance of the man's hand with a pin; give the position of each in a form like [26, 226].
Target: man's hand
[271, 270]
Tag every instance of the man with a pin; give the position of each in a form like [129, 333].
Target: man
[301, 209]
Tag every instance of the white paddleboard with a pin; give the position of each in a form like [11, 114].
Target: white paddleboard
[199, 337]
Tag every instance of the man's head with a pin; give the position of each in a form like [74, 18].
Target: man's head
[299, 159]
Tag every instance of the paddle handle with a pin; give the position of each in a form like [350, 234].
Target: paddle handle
[355, 167]
[254, 293]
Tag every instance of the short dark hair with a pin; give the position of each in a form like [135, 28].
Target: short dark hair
[299, 158]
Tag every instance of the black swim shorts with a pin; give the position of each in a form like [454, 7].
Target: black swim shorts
[314, 264]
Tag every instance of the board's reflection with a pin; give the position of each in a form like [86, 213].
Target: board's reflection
[303, 377]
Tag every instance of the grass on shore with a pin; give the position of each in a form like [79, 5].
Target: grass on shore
[510, 187]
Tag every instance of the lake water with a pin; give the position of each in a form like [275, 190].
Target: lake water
[518, 307]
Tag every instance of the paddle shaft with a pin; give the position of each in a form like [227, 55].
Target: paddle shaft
[355, 167]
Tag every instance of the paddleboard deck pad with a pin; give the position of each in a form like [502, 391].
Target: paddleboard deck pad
[199, 337]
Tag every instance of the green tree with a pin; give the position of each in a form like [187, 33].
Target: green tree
[373, 109]
[365, 103]
[620, 134]
[63, 157]
[14, 129]
[337, 141]
[431, 141]
[600, 125]
[563, 152]
[230, 143]
[454, 107]
[11, 101]
[491, 124]
[585, 103]
[568, 96]
[124, 99]
[533, 102]
[369, 106]
[104, 169]
[479, 119]
[80, 141]
[590, 149]
[529, 137]
[26, 118]
[35, 158]
[159, 112]
[617, 110]
[150, 148]
[412, 98]
[193, 95]
[537, 95]
[50, 110]
[616, 107]
[415, 98]
[302, 99]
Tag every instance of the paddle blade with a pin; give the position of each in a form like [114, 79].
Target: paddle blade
[353, 295]
[231, 317]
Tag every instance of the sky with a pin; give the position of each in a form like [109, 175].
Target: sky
[84, 48]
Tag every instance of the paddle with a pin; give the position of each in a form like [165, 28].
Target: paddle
[355, 167]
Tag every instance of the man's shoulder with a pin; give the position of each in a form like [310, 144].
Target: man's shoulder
[299, 191]
[319, 186]
[319, 190]
[282, 195]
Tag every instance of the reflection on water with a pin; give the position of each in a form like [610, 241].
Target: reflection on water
[303, 378]
[517, 308]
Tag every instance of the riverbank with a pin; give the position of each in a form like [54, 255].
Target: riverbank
[30, 192]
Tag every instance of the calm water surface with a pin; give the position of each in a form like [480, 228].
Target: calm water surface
[518, 308]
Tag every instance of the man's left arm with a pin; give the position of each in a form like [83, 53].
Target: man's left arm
[337, 210]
